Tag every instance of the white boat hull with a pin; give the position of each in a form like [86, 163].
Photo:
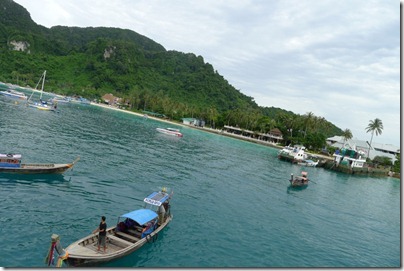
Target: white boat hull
[169, 132]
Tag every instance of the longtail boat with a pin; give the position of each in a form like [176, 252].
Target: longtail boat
[132, 231]
[299, 181]
[11, 163]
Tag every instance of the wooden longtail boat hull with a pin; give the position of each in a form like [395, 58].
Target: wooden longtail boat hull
[84, 251]
[296, 183]
[133, 230]
[299, 181]
[38, 168]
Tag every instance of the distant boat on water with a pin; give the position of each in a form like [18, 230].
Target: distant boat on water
[294, 154]
[11, 93]
[75, 100]
[353, 161]
[11, 163]
[308, 163]
[299, 181]
[170, 131]
[41, 105]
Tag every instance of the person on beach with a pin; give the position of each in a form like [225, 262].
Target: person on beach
[102, 233]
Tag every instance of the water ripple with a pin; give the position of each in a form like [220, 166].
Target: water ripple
[232, 205]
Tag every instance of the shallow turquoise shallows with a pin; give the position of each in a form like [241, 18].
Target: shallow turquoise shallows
[232, 206]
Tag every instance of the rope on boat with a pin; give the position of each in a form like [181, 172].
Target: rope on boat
[55, 246]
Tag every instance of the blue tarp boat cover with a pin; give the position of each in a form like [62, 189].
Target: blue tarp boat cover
[156, 198]
[141, 216]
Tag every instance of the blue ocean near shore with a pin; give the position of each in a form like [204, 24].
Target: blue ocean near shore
[232, 205]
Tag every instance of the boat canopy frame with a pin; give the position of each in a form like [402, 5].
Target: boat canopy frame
[141, 216]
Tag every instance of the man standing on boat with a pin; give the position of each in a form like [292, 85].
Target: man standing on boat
[102, 233]
[161, 214]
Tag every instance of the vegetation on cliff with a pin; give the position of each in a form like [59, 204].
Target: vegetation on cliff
[91, 62]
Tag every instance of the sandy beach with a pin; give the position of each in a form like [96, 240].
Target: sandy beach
[137, 114]
[205, 129]
[209, 130]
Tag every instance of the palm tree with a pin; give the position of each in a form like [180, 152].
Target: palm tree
[375, 125]
[309, 120]
[347, 134]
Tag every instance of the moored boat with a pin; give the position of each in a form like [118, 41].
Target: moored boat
[308, 163]
[11, 93]
[298, 181]
[11, 163]
[170, 131]
[294, 154]
[352, 161]
[41, 105]
[59, 100]
[133, 230]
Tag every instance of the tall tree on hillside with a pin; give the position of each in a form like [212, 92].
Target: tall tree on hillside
[347, 134]
[375, 125]
[309, 120]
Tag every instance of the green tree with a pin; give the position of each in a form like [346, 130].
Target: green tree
[347, 134]
[383, 161]
[397, 164]
[308, 122]
[375, 126]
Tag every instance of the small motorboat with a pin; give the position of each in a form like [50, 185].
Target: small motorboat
[299, 180]
[308, 163]
[170, 131]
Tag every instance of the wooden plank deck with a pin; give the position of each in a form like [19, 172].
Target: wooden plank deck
[119, 240]
[127, 236]
[135, 233]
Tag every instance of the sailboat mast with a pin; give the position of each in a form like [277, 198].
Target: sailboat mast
[43, 82]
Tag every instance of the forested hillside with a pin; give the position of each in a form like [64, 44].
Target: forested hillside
[91, 62]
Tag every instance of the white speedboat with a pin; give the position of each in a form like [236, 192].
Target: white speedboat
[170, 131]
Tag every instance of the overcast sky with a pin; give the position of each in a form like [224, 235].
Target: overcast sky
[337, 59]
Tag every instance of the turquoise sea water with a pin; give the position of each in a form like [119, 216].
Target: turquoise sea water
[232, 206]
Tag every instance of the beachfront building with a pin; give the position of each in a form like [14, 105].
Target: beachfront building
[193, 122]
[377, 149]
[111, 99]
[273, 136]
[155, 114]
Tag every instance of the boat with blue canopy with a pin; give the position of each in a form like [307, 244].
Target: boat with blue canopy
[133, 230]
